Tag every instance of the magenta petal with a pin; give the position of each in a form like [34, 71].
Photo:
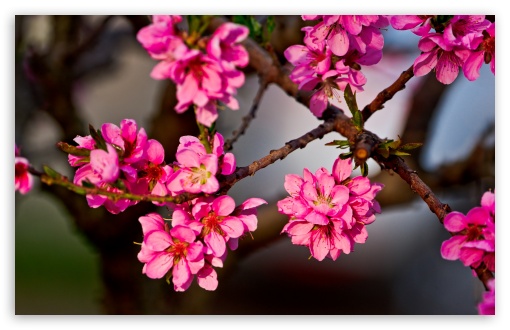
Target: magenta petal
[319, 246]
[112, 134]
[181, 274]
[446, 70]
[207, 278]
[299, 228]
[317, 218]
[228, 166]
[223, 205]
[339, 42]
[158, 240]
[450, 249]
[159, 265]
[233, 227]
[216, 242]
[342, 169]
[184, 234]
[151, 221]
[155, 152]
[455, 222]
[252, 203]
[425, 63]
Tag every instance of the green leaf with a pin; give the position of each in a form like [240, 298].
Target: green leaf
[87, 184]
[350, 100]
[73, 150]
[340, 143]
[410, 146]
[52, 173]
[346, 155]
[357, 120]
[399, 153]
[385, 152]
[98, 138]
[364, 169]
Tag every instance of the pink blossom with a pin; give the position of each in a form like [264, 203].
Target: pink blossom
[488, 304]
[486, 52]
[173, 250]
[473, 240]
[227, 161]
[212, 218]
[23, 180]
[197, 173]
[224, 45]
[127, 139]
[84, 142]
[105, 165]
[328, 212]
[465, 30]
[444, 58]
[152, 173]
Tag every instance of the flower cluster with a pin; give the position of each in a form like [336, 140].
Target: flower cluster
[460, 41]
[203, 68]
[121, 158]
[23, 180]
[332, 54]
[474, 236]
[329, 212]
[201, 231]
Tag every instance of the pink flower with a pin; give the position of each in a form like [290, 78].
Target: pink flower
[212, 218]
[152, 174]
[197, 173]
[105, 165]
[224, 45]
[486, 52]
[328, 212]
[173, 250]
[127, 139]
[473, 240]
[23, 180]
[465, 30]
[84, 142]
[488, 304]
[446, 59]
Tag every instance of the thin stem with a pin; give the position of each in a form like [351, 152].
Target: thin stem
[387, 94]
[248, 118]
[63, 181]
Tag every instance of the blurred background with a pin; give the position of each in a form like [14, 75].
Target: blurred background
[72, 71]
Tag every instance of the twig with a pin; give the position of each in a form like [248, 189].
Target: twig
[248, 118]
[81, 190]
[279, 154]
[387, 93]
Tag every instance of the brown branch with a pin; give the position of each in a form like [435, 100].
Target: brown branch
[387, 94]
[248, 118]
[279, 154]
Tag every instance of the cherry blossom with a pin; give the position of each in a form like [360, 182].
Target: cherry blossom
[328, 212]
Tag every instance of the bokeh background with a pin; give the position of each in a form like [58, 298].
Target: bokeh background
[72, 71]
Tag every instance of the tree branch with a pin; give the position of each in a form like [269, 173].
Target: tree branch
[387, 94]
[248, 118]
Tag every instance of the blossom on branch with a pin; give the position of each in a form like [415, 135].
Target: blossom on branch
[473, 240]
[457, 42]
[205, 69]
[332, 55]
[329, 212]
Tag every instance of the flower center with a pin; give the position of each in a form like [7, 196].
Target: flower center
[20, 169]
